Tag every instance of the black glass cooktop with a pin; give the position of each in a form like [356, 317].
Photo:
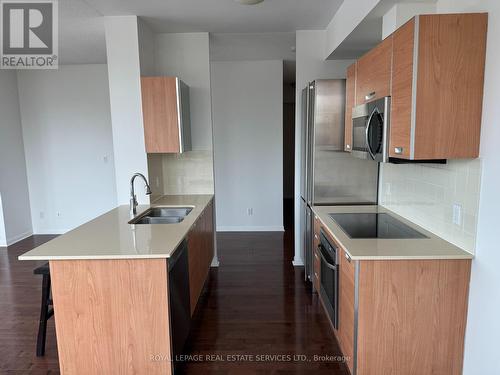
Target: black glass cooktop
[374, 225]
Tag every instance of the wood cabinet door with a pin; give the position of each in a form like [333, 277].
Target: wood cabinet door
[195, 259]
[345, 332]
[402, 88]
[373, 73]
[315, 257]
[350, 102]
[316, 270]
[450, 80]
[201, 253]
[160, 116]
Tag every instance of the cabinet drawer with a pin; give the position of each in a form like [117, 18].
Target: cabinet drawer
[316, 270]
[317, 231]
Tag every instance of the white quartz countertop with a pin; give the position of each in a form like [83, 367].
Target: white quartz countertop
[110, 236]
[432, 247]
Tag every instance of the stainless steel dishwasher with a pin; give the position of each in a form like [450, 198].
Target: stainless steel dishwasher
[180, 308]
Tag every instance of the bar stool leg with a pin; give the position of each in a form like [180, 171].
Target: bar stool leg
[42, 328]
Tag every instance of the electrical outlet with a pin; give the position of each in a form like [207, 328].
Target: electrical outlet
[105, 159]
[157, 181]
[58, 214]
[457, 214]
[250, 211]
[388, 186]
[42, 215]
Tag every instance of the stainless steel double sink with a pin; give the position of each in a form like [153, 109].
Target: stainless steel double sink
[162, 215]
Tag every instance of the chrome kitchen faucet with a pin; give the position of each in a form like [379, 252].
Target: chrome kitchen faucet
[133, 197]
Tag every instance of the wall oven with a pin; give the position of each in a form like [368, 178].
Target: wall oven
[370, 130]
[329, 288]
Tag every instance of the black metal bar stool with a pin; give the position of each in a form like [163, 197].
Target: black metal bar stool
[45, 312]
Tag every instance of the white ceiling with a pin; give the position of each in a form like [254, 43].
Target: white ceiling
[81, 34]
[224, 16]
[81, 25]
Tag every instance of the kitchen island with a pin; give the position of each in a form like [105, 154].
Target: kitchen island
[123, 294]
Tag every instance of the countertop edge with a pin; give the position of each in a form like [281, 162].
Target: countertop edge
[165, 255]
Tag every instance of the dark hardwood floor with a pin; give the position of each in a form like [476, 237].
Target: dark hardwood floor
[20, 297]
[255, 304]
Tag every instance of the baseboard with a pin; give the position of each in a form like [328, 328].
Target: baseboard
[297, 262]
[276, 228]
[52, 231]
[215, 262]
[19, 237]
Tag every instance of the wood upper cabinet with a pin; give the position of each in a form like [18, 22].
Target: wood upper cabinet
[373, 73]
[350, 102]
[166, 115]
[437, 86]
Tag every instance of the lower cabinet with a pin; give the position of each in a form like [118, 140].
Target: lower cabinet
[316, 270]
[345, 333]
[200, 254]
[316, 257]
[410, 317]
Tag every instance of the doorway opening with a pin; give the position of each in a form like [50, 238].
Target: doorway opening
[288, 143]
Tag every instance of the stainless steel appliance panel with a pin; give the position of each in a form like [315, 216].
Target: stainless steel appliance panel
[308, 243]
[329, 289]
[178, 281]
[310, 144]
[370, 130]
[303, 145]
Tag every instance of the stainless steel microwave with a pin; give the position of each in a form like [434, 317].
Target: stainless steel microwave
[370, 130]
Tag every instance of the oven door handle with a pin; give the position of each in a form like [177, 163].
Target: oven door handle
[367, 138]
[329, 265]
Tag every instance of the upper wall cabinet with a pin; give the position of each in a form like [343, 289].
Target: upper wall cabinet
[350, 102]
[165, 108]
[373, 73]
[437, 87]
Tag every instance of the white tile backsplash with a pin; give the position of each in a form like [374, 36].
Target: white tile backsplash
[187, 173]
[426, 193]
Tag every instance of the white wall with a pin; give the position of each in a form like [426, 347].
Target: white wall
[483, 325]
[252, 46]
[247, 101]
[187, 57]
[15, 219]
[400, 13]
[68, 145]
[147, 48]
[124, 71]
[310, 65]
[3, 235]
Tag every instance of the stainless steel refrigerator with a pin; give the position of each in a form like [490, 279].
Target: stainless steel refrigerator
[329, 176]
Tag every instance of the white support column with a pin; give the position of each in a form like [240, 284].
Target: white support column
[122, 47]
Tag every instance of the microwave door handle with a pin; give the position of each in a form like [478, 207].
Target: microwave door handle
[329, 265]
[367, 138]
